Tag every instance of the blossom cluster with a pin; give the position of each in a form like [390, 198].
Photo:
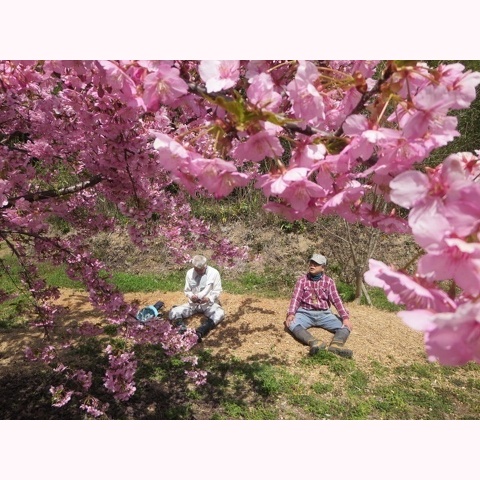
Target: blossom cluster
[444, 218]
[94, 407]
[119, 376]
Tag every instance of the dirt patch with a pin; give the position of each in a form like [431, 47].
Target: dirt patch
[253, 330]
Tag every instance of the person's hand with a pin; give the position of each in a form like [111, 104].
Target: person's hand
[203, 300]
[289, 320]
[348, 324]
[195, 299]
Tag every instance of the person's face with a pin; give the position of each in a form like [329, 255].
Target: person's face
[314, 268]
[200, 271]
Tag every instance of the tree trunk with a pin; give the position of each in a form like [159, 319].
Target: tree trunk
[358, 284]
[367, 296]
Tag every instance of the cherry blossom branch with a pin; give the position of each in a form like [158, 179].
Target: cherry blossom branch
[36, 292]
[366, 96]
[48, 194]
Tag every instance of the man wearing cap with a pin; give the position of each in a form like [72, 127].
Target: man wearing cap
[313, 295]
[202, 288]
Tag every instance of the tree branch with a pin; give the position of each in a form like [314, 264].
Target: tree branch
[333, 234]
[37, 196]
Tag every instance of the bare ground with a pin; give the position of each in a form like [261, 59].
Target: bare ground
[253, 330]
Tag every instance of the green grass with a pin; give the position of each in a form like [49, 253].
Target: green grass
[407, 392]
[270, 380]
[380, 301]
[268, 284]
[322, 387]
[12, 312]
[126, 282]
[357, 383]
[56, 276]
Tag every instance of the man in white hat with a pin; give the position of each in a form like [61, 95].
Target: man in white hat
[313, 295]
[203, 286]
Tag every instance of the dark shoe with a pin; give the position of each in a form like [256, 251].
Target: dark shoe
[179, 325]
[159, 305]
[182, 328]
[204, 329]
[303, 336]
[338, 341]
[340, 351]
[341, 336]
[316, 347]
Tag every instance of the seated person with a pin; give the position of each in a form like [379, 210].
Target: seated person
[313, 295]
[203, 286]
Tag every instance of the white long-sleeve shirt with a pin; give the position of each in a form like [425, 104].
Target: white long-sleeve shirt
[208, 285]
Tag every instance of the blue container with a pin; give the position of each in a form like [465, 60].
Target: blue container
[147, 313]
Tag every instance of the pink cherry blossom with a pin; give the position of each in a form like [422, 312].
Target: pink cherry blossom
[60, 396]
[300, 190]
[365, 67]
[118, 79]
[429, 223]
[163, 87]
[431, 105]
[460, 84]
[404, 290]
[119, 377]
[293, 186]
[218, 176]
[94, 407]
[308, 154]
[171, 154]
[123, 132]
[462, 209]
[307, 103]
[459, 261]
[262, 94]
[219, 74]
[451, 338]
[395, 155]
[427, 219]
[259, 146]
[455, 345]
[352, 192]
[83, 378]
[3, 197]
[440, 202]
[367, 135]
[286, 211]
[282, 209]
[409, 188]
